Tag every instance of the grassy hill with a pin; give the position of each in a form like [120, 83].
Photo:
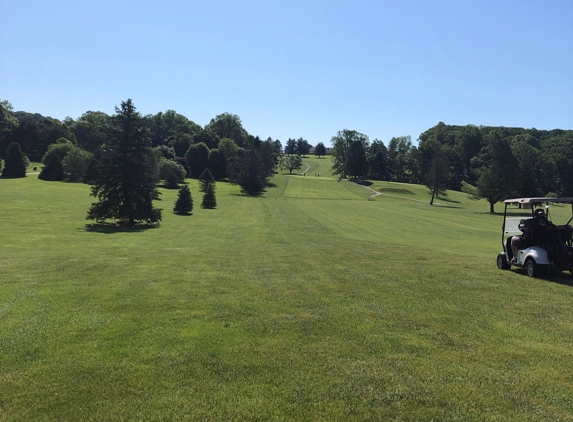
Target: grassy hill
[309, 303]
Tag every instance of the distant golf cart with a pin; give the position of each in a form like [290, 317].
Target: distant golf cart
[544, 246]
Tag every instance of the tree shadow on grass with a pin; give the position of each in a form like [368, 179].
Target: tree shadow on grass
[361, 182]
[112, 228]
[446, 199]
[459, 207]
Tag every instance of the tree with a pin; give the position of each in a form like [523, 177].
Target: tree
[8, 123]
[399, 158]
[376, 157]
[302, 146]
[227, 125]
[125, 188]
[209, 200]
[198, 158]
[172, 172]
[53, 171]
[164, 127]
[91, 129]
[290, 162]
[180, 144]
[251, 171]
[320, 150]
[205, 180]
[14, 164]
[61, 147]
[75, 163]
[340, 145]
[356, 164]
[184, 203]
[217, 164]
[208, 137]
[498, 173]
[438, 176]
[290, 147]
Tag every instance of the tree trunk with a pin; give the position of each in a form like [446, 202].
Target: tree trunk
[491, 204]
[433, 194]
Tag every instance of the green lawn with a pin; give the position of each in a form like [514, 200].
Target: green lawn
[308, 303]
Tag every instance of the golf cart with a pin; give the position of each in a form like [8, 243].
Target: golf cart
[542, 246]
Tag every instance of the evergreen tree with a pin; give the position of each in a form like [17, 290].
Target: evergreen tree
[205, 180]
[53, 171]
[125, 187]
[209, 200]
[320, 149]
[184, 203]
[14, 163]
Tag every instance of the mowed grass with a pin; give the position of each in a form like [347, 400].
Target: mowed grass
[308, 303]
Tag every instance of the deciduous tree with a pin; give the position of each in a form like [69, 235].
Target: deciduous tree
[340, 145]
[227, 125]
[438, 176]
[198, 158]
[290, 162]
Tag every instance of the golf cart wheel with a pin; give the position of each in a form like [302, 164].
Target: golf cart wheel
[532, 269]
[502, 262]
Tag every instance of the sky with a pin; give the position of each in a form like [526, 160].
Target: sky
[296, 68]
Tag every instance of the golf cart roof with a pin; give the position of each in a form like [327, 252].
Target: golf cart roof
[540, 200]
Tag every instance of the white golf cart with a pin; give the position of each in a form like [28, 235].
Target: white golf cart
[546, 247]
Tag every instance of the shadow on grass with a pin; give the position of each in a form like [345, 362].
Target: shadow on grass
[112, 228]
[361, 182]
[449, 206]
[563, 278]
[446, 199]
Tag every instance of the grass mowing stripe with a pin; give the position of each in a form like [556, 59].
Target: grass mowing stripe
[274, 308]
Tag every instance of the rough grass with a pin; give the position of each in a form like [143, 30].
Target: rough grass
[308, 303]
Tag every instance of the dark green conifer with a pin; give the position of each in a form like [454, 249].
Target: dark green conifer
[14, 164]
[205, 180]
[54, 170]
[184, 203]
[209, 200]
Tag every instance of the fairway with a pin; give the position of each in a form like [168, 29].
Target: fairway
[311, 302]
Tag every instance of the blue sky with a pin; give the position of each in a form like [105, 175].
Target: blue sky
[296, 68]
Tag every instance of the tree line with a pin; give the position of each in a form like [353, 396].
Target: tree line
[493, 163]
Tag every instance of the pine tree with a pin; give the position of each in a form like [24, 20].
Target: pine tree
[205, 180]
[54, 170]
[184, 203]
[209, 200]
[124, 184]
[14, 162]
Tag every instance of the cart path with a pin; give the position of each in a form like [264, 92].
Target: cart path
[307, 168]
